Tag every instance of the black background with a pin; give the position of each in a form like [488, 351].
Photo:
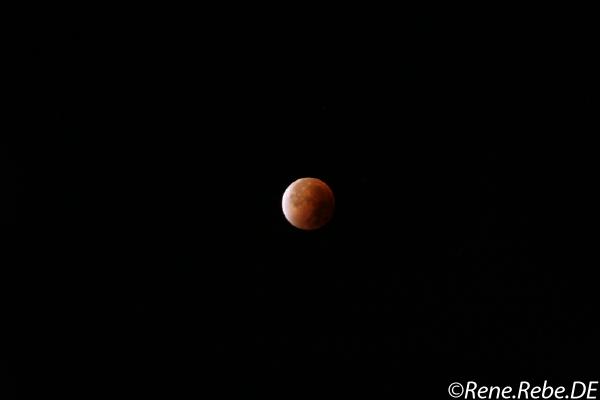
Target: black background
[456, 249]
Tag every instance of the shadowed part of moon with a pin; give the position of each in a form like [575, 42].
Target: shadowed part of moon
[308, 203]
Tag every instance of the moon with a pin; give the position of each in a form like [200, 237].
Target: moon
[308, 203]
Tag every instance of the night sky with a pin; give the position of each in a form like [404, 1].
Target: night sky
[167, 266]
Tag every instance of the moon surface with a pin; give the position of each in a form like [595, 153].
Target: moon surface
[308, 203]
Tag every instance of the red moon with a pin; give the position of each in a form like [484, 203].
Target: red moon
[308, 203]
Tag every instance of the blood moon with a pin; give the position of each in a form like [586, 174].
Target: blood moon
[308, 203]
